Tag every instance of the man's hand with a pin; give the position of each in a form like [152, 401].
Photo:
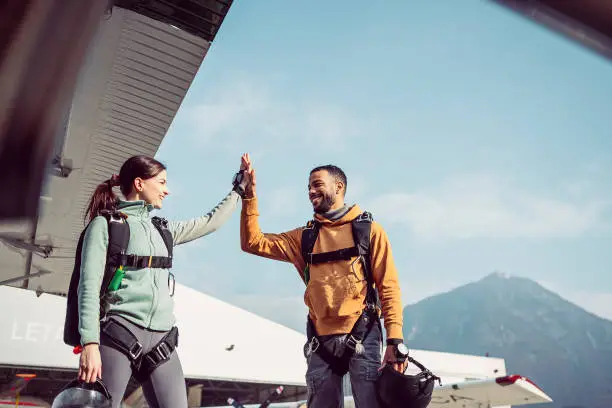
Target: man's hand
[247, 165]
[389, 358]
[245, 162]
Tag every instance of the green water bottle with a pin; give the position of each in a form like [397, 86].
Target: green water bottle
[117, 278]
[306, 274]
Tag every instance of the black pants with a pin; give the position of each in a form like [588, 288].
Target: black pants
[165, 387]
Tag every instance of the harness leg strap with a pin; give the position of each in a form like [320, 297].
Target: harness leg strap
[123, 339]
[340, 364]
[158, 355]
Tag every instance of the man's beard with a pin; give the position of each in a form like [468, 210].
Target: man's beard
[326, 203]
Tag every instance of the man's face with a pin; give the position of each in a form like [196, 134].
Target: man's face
[322, 191]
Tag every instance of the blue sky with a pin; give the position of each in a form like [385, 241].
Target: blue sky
[478, 139]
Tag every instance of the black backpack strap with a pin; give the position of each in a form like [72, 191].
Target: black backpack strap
[71, 322]
[118, 239]
[309, 237]
[362, 227]
[162, 226]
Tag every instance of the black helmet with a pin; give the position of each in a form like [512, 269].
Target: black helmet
[78, 394]
[398, 390]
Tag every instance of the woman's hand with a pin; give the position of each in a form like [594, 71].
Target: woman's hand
[90, 363]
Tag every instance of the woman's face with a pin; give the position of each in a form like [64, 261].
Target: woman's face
[153, 190]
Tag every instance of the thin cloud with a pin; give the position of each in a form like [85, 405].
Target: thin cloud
[245, 110]
[485, 207]
[284, 201]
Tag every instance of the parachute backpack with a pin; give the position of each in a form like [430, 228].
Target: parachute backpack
[116, 257]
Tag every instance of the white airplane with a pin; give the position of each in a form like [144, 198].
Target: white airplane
[246, 356]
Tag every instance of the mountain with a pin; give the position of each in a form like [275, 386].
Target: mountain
[566, 350]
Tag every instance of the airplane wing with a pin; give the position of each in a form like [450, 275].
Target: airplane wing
[514, 390]
[139, 66]
[587, 22]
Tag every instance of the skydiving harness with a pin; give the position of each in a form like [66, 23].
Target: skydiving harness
[125, 341]
[353, 343]
[116, 260]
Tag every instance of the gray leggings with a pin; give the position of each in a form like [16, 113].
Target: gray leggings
[164, 388]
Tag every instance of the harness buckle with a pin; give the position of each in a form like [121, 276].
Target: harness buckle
[370, 308]
[311, 347]
[160, 353]
[130, 260]
[171, 283]
[316, 343]
[364, 216]
[116, 217]
[351, 342]
[135, 351]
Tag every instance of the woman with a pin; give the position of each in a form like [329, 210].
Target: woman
[141, 300]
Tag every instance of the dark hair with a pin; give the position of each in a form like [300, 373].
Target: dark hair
[104, 198]
[335, 171]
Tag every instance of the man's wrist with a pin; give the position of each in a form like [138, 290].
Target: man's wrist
[394, 342]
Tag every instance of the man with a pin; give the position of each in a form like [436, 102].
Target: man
[338, 297]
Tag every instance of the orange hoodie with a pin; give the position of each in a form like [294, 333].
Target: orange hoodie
[336, 290]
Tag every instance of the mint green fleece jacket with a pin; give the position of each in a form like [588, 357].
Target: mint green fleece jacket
[143, 296]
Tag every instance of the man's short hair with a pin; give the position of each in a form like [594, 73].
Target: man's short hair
[335, 171]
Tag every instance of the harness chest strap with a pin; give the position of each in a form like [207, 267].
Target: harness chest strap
[143, 261]
[361, 227]
[119, 235]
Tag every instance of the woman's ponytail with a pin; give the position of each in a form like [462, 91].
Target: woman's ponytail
[103, 198]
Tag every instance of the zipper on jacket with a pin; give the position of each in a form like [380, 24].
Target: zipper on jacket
[146, 224]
